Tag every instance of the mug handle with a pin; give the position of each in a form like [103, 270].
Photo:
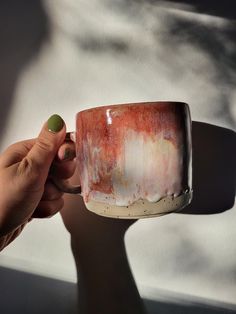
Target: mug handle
[64, 185]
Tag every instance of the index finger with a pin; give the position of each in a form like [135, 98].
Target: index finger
[16, 152]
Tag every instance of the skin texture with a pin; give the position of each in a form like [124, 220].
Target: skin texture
[26, 189]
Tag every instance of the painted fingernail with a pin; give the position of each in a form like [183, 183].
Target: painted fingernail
[69, 154]
[55, 123]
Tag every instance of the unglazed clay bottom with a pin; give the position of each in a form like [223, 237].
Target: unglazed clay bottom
[141, 208]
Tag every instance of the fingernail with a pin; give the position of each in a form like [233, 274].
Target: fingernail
[69, 154]
[55, 123]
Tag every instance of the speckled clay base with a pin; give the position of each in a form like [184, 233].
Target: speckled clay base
[141, 208]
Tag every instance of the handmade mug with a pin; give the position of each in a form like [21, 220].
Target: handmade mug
[134, 160]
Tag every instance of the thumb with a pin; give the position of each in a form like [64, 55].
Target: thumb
[46, 145]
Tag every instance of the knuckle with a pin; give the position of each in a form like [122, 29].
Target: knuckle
[51, 193]
[45, 144]
[60, 204]
[29, 174]
[54, 206]
[25, 167]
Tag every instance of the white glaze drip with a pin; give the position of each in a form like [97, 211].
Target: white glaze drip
[148, 168]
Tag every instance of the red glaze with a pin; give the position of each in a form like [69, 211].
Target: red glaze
[104, 128]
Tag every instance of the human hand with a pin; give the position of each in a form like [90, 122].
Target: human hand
[25, 170]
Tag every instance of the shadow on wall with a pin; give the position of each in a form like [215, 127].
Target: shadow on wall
[225, 9]
[165, 307]
[27, 293]
[218, 43]
[214, 173]
[183, 34]
[23, 29]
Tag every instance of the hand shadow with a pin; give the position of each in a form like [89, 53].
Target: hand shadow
[90, 230]
[105, 281]
[214, 175]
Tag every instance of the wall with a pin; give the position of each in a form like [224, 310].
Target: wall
[64, 56]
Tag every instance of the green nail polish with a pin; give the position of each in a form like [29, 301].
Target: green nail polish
[69, 154]
[55, 123]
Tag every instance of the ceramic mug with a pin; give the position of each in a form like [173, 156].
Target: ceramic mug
[134, 160]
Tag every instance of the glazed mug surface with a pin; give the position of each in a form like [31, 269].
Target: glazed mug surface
[134, 160]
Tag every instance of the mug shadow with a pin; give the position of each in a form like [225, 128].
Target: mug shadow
[28, 293]
[214, 173]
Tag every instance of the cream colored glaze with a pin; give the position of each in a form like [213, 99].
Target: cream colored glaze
[141, 208]
[148, 168]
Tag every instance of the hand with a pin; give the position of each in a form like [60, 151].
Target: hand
[25, 170]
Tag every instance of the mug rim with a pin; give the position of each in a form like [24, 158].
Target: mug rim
[129, 104]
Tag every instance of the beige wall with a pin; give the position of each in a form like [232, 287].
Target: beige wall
[83, 54]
